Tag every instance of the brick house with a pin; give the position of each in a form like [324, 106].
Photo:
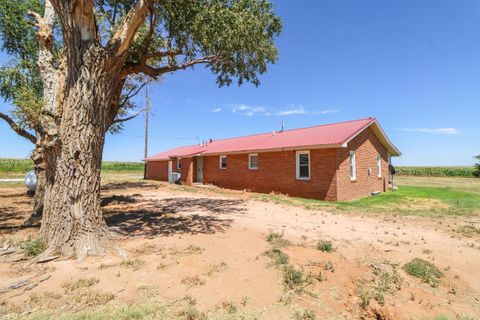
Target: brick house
[335, 162]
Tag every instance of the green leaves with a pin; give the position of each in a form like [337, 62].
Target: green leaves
[240, 34]
[18, 35]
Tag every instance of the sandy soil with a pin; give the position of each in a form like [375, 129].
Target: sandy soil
[211, 246]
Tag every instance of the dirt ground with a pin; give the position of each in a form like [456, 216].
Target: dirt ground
[211, 246]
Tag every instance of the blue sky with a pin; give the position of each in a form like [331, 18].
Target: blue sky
[414, 65]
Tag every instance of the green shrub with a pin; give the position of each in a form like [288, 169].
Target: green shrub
[424, 270]
[34, 247]
[295, 279]
[325, 246]
[278, 257]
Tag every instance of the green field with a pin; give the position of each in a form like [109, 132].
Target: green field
[25, 165]
[437, 171]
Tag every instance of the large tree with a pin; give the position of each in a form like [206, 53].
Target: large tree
[101, 45]
[28, 80]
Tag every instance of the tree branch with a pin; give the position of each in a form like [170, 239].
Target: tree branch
[135, 91]
[153, 72]
[129, 117]
[21, 132]
[125, 34]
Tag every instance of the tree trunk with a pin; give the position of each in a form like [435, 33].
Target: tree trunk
[44, 165]
[72, 221]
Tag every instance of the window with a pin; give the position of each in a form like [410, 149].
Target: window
[179, 164]
[303, 165]
[353, 166]
[223, 162]
[379, 165]
[253, 161]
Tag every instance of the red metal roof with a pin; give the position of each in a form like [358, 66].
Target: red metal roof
[334, 135]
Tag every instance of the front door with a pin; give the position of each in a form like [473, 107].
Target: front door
[199, 169]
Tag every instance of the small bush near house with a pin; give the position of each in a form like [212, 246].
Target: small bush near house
[34, 247]
[325, 246]
[424, 270]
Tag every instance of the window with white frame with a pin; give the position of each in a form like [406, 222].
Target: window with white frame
[222, 162]
[379, 165]
[353, 166]
[303, 165]
[253, 161]
[179, 163]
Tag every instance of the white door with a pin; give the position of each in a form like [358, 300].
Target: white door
[199, 169]
[170, 171]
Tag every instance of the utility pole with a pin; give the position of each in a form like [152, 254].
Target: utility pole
[147, 102]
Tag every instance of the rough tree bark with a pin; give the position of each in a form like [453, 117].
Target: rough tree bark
[72, 222]
[45, 127]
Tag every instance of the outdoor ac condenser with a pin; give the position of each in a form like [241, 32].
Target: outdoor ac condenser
[174, 177]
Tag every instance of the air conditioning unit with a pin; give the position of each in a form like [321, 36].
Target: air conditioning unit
[174, 177]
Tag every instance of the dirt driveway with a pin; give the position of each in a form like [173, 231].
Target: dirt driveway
[211, 246]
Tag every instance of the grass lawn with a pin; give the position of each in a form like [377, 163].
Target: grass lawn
[421, 196]
[454, 183]
[419, 200]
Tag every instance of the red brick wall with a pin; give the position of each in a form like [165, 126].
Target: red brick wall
[366, 147]
[329, 171]
[187, 170]
[157, 170]
[276, 172]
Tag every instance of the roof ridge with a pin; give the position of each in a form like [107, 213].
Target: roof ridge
[309, 127]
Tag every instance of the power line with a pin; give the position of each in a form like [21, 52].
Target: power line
[163, 138]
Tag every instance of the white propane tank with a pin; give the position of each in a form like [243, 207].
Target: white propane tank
[31, 181]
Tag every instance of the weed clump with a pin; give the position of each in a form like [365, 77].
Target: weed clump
[325, 246]
[34, 247]
[279, 258]
[424, 270]
[294, 279]
[386, 282]
[133, 264]
[80, 284]
[304, 315]
[277, 240]
[468, 230]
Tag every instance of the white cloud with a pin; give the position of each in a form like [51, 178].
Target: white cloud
[432, 130]
[328, 111]
[216, 110]
[294, 109]
[246, 110]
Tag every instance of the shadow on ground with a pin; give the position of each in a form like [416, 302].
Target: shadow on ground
[133, 215]
[128, 185]
[171, 216]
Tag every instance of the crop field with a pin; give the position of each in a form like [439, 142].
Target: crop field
[437, 171]
[25, 165]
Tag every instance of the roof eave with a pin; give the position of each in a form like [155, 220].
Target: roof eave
[377, 129]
